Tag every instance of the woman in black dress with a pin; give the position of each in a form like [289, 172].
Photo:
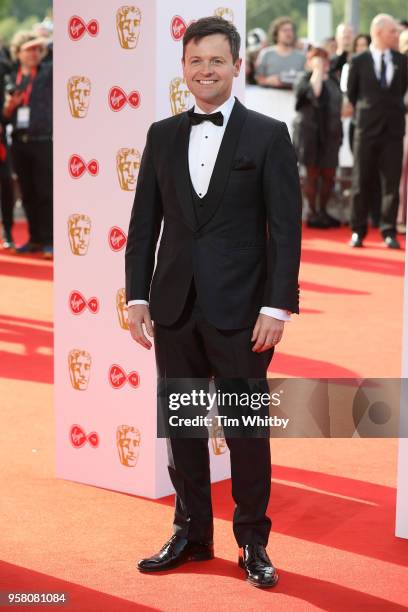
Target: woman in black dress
[317, 134]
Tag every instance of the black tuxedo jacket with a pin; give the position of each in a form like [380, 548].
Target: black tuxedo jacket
[378, 110]
[244, 252]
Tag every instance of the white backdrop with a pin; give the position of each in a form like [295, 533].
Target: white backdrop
[114, 65]
[402, 493]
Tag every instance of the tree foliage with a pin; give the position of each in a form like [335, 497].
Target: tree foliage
[261, 12]
[20, 15]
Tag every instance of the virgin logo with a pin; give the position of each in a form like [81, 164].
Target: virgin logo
[77, 27]
[116, 238]
[78, 303]
[117, 99]
[177, 27]
[78, 437]
[77, 166]
[118, 377]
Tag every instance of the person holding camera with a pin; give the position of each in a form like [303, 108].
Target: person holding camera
[6, 180]
[28, 107]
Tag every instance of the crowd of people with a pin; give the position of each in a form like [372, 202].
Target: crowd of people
[358, 76]
[26, 171]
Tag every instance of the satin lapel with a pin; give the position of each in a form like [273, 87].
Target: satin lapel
[181, 172]
[224, 161]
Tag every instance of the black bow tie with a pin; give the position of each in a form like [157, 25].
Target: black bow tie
[197, 118]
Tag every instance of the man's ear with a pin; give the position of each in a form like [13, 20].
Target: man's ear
[237, 66]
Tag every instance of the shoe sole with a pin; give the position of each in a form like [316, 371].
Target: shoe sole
[256, 584]
[175, 564]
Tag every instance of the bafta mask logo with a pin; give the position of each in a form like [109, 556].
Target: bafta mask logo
[121, 308]
[127, 166]
[79, 438]
[77, 27]
[128, 442]
[177, 27]
[79, 95]
[224, 13]
[79, 232]
[117, 238]
[118, 377]
[77, 167]
[219, 444]
[128, 20]
[79, 364]
[179, 95]
[117, 99]
[78, 303]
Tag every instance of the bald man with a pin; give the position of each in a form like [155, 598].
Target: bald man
[376, 86]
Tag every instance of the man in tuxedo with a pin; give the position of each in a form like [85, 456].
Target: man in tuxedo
[224, 182]
[376, 86]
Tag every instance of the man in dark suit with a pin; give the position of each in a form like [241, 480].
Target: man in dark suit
[225, 183]
[376, 86]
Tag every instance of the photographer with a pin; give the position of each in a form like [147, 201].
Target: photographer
[6, 181]
[28, 107]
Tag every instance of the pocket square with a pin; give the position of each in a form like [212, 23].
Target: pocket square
[243, 163]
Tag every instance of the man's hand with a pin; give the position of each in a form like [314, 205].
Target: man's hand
[273, 81]
[139, 315]
[267, 332]
[11, 103]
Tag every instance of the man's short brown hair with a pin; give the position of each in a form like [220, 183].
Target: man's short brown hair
[213, 25]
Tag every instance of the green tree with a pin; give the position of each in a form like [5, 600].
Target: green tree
[261, 12]
[21, 9]
[10, 25]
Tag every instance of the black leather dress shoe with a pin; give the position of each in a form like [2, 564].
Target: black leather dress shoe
[332, 221]
[356, 241]
[258, 566]
[391, 242]
[317, 221]
[175, 552]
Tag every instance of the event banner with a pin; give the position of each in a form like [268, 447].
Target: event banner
[117, 70]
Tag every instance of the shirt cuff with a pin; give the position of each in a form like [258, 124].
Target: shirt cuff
[276, 313]
[132, 302]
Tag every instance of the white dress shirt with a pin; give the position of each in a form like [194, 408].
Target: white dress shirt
[389, 66]
[204, 144]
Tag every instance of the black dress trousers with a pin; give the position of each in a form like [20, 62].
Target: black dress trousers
[193, 348]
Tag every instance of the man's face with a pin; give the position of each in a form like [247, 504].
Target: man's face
[209, 70]
[128, 22]
[79, 97]
[128, 446]
[79, 233]
[179, 96]
[128, 164]
[286, 35]
[344, 36]
[388, 34]
[31, 57]
[80, 367]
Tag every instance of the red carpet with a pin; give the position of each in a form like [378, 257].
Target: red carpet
[332, 503]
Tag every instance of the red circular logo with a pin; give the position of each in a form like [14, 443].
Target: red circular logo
[177, 27]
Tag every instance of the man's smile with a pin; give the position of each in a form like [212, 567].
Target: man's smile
[206, 81]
